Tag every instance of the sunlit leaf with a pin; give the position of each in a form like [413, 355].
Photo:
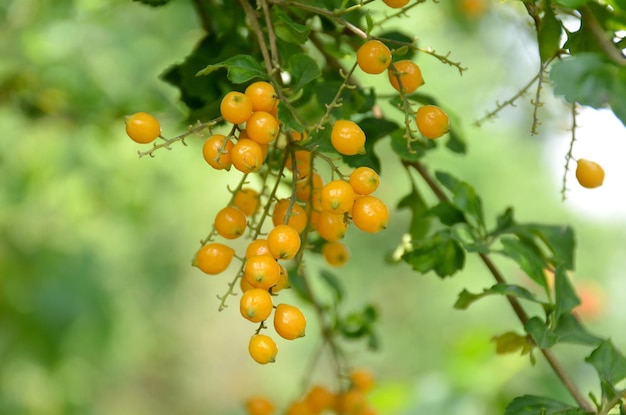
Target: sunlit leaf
[511, 342]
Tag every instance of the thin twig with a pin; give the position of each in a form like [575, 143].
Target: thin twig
[569, 155]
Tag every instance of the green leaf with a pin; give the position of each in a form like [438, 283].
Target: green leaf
[564, 293]
[559, 239]
[289, 121]
[540, 333]
[455, 141]
[447, 213]
[303, 69]
[609, 362]
[467, 298]
[569, 330]
[549, 34]
[511, 342]
[297, 283]
[417, 150]
[589, 79]
[369, 22]
[241, 68]
[333, 283]
[440, 253]
[358, 324]
[504, 222]
[464, 196]
[527, 258]
[420, 223]
[288, 30]
[572, 4]
[540, 405]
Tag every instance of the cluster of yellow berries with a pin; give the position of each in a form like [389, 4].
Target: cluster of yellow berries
[313, 207]
[319, 399]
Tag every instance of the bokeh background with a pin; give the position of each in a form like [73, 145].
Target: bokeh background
[100, 310]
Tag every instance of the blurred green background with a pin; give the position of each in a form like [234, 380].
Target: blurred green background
[100, 310]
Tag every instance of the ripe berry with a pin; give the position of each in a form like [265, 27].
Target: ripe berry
[370, 214]
[247, 155]
[352, 401]
[289, 322]
[362, 379]
[142, 127]
[263, 96]
[396, 4]
[303, 163]
[256, 305]
[373, 57]
[319, 398]
[262, 349]
[330, 226]
[257, 247]
[409, 73]
[216, 151]
[283, 280]
[236, 107]
[347, 138]
[299, 408]
[336, 254]
[213, 258]
[310, 190]
[432, 121]
[364, 180]
[262, 127]
[259, 405]
[297, 216]
[247, 200]
[230, 222]
[283, 242]
[337, 197]
[261, 271]
[589, 173]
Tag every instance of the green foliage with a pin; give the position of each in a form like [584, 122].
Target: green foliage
[539, 405]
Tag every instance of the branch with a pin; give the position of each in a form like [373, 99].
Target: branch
[515, 304]
[608, 47]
